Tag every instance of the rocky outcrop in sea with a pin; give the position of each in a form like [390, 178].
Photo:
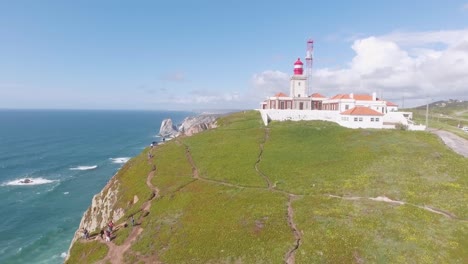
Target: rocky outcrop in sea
[190, 125]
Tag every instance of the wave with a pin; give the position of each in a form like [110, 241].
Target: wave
[82, 168]
[24, 182]
[120, 160]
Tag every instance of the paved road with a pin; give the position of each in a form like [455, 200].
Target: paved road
[456, 143]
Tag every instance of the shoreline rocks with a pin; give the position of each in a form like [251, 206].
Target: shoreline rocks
[191, 125]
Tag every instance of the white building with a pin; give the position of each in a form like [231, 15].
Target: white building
[349, 110]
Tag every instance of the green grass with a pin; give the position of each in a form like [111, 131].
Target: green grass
[323, 158]
[338, 231]
[209, 223]
[132, 181]
[195, 221]
[89, 252]
[173, 169]
[314, 157]
[229, 153]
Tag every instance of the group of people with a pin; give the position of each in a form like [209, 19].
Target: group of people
[108, 231]
[110, 226]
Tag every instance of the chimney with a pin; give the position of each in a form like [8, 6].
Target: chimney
[351, 95]
[374, 96]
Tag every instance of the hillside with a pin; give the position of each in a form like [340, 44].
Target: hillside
[295, 192]
[447, 115]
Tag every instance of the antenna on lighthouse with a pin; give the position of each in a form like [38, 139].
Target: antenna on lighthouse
[309, 60]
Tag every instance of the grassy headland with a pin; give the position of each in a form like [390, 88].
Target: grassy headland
[215, 207]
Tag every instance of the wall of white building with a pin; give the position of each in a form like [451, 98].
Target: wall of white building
[298, 115]
[349, 121]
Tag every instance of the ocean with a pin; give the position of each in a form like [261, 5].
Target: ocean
[69, 155]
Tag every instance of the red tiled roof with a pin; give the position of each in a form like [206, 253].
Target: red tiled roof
[391, 104]
[317, 95]
[362, 110]
[280, 95]
[341, 96]
[363, 97]
[360, 97]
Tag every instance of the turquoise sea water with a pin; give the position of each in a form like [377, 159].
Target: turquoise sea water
[70, 156]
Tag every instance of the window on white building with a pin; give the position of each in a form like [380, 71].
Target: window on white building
[346, 107]
[360, 119]
[355, 119]
[372, 119]
[376, 119]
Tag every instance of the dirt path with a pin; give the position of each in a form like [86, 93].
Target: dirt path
[116, 253]
[290, 255]
[267, 180]
[195, 174]
[388, 200]
[456, 143]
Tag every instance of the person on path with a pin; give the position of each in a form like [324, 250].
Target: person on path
[86, 234]
[108, 234]
[111, 225]
[133, 221]
[102, 233]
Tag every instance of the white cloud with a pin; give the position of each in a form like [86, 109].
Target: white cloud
[269, 82]
[412, 64]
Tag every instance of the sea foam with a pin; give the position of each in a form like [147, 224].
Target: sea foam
[120, 160]
[83, 168]
[34, 181]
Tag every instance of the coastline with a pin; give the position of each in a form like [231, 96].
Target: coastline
[103, 204]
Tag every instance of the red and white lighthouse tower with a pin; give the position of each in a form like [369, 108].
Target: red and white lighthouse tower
[298, 67]
[298, 86]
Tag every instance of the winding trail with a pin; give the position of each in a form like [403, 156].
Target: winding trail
[388, 200]
[267, 135]
[291, 254]
[116, 252]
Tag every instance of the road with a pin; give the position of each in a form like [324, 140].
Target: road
[456, 143]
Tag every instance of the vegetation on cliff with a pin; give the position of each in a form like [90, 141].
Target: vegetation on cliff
[304, 192]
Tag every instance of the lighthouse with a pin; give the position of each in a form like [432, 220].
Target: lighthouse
[298, 82]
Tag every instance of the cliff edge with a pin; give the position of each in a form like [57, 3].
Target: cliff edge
[116, 202]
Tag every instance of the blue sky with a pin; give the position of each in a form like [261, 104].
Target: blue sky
[185, 55]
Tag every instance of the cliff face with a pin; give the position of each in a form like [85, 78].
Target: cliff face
[196, 124]
[101, 211]
[168, 129]
[190, 125]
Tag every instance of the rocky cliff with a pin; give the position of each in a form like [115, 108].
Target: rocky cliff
[190, 125]
[104, 204]
[101, 211]
[168, 129]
